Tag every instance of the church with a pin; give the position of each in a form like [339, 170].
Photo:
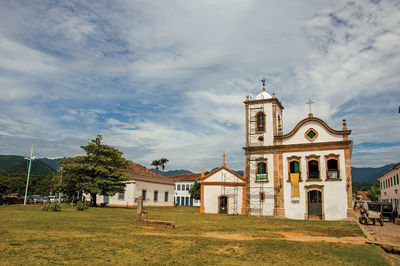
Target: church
[303, 174]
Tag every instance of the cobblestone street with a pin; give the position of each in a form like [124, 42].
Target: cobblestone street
[387, 237]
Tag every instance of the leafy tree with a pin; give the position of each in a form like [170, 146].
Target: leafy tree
[161, 162]
[195, 190]
[98, 172]
[374, 191]
[15, 183]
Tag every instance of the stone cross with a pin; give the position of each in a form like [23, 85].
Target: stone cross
[310, 103]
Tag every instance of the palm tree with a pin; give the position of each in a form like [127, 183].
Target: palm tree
[161, 162]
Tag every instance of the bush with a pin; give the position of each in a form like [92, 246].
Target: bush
[52, 207]
[81, 206]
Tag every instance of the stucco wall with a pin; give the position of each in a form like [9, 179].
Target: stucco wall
[334, 192]
[184, 193]
[323, 134]
[134, 190]
[265, 208]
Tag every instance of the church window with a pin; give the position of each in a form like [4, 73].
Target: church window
[121, 196]
[332, 166]
[294, 168]
[311, 134]
[260, 118]
[262, 196]
[166, 196]
[155, 195]
[261, 172]
[144, 194]
[313, 167]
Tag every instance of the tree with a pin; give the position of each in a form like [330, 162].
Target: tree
[374, 191]
[195, 190]
[161, 162]
[100, 171]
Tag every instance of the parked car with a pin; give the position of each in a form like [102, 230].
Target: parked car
[36, 199]
[64, 199]
[53, 199]
[45, 199]
[387, 210]
[13, 199]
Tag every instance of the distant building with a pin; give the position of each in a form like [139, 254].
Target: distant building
[183, 183]
[390, 187]
[156, 189]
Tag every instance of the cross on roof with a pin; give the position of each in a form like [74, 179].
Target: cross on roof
[224, 156]
[310, 103]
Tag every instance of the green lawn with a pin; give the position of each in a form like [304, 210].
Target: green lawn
[111, 235]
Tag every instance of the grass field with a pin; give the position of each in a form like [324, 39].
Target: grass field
[111, 235]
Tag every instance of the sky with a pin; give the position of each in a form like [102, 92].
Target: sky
[168, 78]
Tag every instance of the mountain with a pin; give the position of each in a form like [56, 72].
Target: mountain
[368, 174]
[17, 164]
[51, 162]
[172, 172]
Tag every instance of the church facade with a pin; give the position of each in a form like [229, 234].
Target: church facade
[223, 191]
[303, 174]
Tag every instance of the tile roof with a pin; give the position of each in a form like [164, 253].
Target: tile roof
[186, 177]
[136, 171]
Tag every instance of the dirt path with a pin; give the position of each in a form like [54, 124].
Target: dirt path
[290, 236]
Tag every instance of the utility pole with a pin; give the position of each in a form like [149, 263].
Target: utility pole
[31, 158]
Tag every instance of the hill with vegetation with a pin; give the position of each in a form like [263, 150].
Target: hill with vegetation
[15, 164]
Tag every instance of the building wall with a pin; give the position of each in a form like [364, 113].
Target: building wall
[134, 190]
[257, 207]
[334, 192]
[390, 187]
[212, 193]
[268, 134]
[184, 193]
[323, 134]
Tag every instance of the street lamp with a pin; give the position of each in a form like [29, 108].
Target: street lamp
[31, 158]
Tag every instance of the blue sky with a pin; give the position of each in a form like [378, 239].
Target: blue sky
[168, 78]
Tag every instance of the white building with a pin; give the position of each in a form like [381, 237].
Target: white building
[301, 174]
[223, 191]
[390, 186]
[156, 189]
[183, 183]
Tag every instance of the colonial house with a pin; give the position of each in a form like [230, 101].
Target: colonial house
[302, 174]
[223, 191]
[390, 186]
[183, 183]
[156, 189]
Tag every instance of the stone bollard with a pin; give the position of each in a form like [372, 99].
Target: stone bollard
[141, 214]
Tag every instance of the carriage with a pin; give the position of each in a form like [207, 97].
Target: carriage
[371, 212]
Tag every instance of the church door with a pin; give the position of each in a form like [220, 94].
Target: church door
[314, 202]
[223, 204]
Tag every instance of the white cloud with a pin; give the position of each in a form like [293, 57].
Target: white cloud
[169, 78]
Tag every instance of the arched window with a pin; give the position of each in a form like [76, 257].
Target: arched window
[261, 172]
[260, 118]
[313, 169]
[333, 168]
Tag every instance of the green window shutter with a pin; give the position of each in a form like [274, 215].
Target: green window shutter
[296, 167]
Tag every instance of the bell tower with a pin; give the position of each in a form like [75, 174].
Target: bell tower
[263, 119]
